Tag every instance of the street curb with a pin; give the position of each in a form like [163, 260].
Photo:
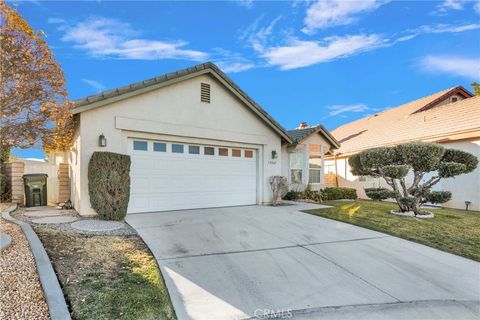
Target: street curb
[51, 287]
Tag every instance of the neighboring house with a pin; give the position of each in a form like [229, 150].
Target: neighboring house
[450, 117]
[196, 140]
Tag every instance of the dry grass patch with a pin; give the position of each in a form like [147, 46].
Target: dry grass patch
[452, 230]
[107, 277]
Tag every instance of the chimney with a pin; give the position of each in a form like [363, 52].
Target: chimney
[302, 125]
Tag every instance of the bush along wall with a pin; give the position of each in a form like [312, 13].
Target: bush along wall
[109, 184]
[326, 194]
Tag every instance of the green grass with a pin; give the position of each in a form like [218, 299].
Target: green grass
[107, 277]
[451, 230]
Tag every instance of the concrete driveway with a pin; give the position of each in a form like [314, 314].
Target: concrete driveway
[255, 261]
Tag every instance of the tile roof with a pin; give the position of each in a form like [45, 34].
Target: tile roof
[405, 123]
[300, 134]
[105, 97]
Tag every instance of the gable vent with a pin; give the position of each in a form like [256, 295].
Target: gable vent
[205, 92]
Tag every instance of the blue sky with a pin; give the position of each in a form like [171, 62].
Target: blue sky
[328, 62]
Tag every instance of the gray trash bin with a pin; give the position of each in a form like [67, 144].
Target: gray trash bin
[35, 189]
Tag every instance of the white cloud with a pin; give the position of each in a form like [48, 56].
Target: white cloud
[452, 65]
[257, 37]
[338, 109]
[329, 13]
[94, 84]
[436, 29]
[108, 38]
[232, 62]
[245, 3]
[304, 53]
[448, 5]
[476, 6]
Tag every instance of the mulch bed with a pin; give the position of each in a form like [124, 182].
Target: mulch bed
[21, 294]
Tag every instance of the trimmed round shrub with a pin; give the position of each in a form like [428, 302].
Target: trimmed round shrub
[109, 184]
[451, 169]
[438, 196]
[379, 194]
[407, 202]
[459, 156]
[421, 156]
[397, 171]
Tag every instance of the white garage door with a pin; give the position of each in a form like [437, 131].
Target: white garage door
[173, 176]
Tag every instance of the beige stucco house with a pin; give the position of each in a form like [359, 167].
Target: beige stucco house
[450, 117]
[196, 140]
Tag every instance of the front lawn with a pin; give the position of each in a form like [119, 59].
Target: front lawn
[107, 277]
[455, 231]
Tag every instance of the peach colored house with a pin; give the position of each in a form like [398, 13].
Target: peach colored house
[450, 117]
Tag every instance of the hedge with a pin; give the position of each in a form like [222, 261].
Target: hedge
[326, 194]
[109, 184]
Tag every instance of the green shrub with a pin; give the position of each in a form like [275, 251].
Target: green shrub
[379, 194]
[292, 195]
[395, 171]
[109, 184]
[438, 196]
[451, 169]
[331, 193]
[407, 203]
[4, 194]
[459, 156]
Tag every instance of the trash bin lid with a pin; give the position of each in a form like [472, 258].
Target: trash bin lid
[35, 175]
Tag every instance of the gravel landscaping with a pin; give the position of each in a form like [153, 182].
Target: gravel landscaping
[21, 295]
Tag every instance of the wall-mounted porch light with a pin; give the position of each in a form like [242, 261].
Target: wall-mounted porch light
[274, 154]
[467, 203]
[102, 141]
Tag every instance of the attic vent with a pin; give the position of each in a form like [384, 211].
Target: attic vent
[205, 92]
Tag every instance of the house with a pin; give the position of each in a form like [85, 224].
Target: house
[450, 117]
[196, 140]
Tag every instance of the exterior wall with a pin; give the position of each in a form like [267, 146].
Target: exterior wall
[14, 172]
[74, 160]
[465, 187]
[304, 149]
[174, 113]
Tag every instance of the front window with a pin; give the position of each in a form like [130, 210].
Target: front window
[314, 170]
[296, 168]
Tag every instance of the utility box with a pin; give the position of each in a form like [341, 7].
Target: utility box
[35, 189]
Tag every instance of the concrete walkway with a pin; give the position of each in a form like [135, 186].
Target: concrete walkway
[246, 262]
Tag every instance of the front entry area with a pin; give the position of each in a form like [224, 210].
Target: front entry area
[169, 175]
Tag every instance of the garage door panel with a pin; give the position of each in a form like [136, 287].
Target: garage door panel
[170, 181]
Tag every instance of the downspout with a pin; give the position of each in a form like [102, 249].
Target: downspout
[336, 169]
